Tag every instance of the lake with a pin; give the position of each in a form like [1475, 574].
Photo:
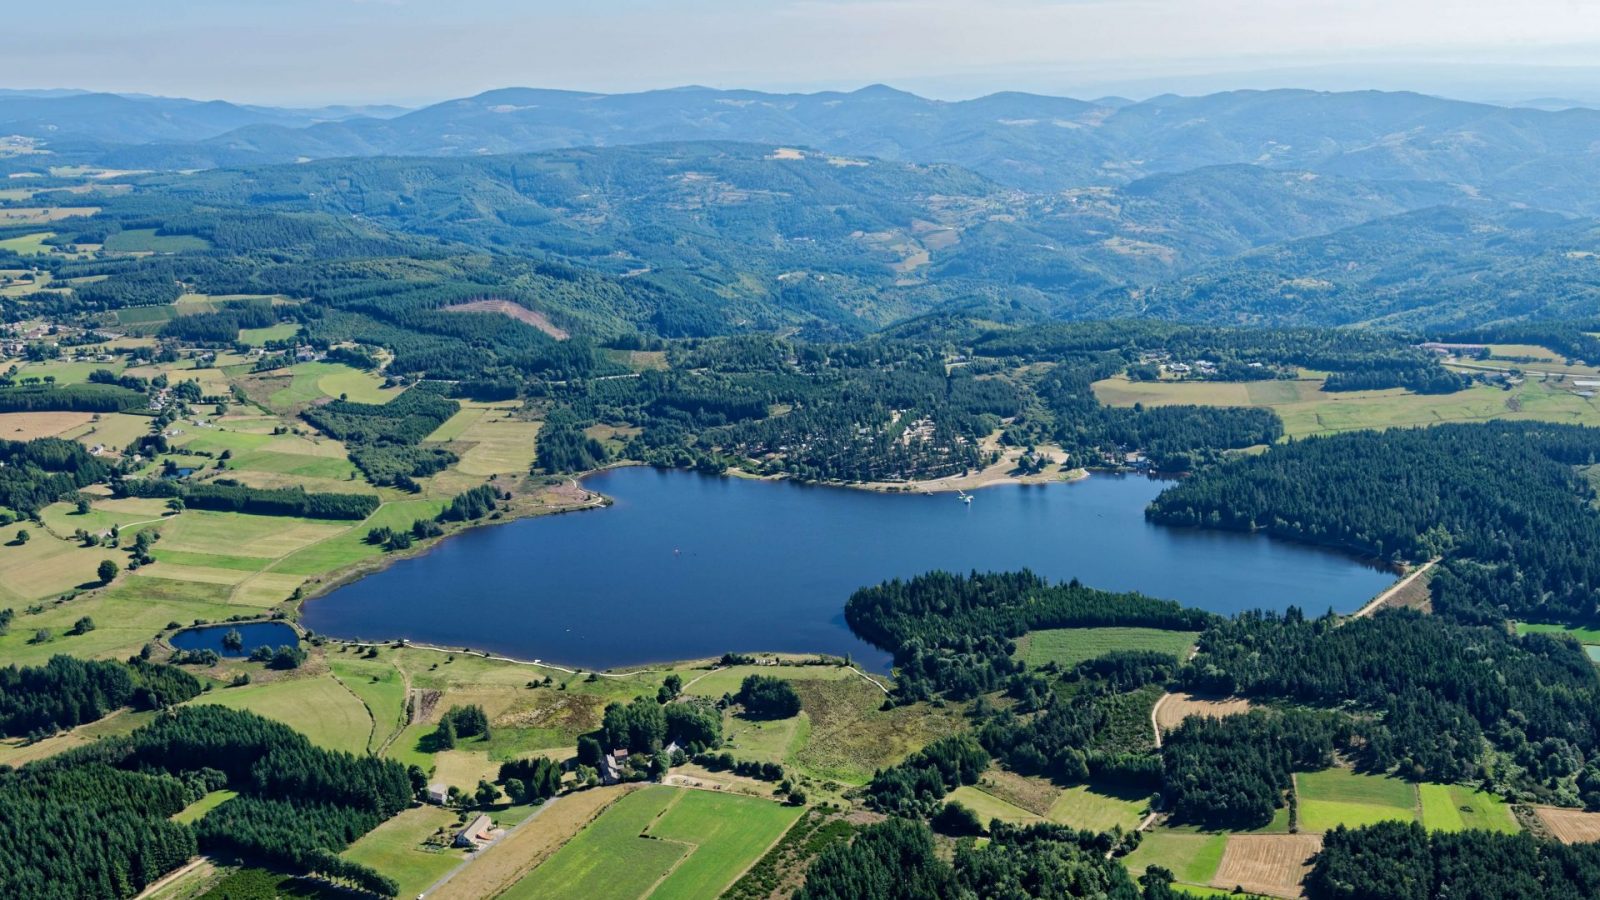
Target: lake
[685, 565]
[255, 634]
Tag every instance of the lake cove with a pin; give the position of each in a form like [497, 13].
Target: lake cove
[255, 634]
[686, 565]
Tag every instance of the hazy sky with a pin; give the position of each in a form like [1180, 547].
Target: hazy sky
[410, 51]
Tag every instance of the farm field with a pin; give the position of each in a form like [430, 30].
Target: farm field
[1098, 808]
[1192, 858]
[306, 383]
[590, 866]
[664, 843]
[1271, 864]
[146, 240]
[518, 853]
[1340, 796]
[1069, 646]
[28, 244]
[128, 614]
[1306, 409]
[1570, 826]
[318, 707]
[987, 806]
[1175, 708]
[396, 848]
[113, 431]
[1452, 807]
[380, 687]
[257, 337]
[26, 426]
[727, 833]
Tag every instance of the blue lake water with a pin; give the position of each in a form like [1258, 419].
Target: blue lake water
[255, 634]
[686, 565]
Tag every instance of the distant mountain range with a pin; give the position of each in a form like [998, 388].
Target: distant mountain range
[1037, 143]
[845, 212]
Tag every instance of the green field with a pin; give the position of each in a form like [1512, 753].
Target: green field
[1453, 807]
[380, 687]
[396, 848]
[28, 244]
[1098, 808]
[1338, 796]
[127, 615]
[318, 707]
[1306, 409]
[608, 860]
[695, 843]
[728, 833]
[312, 381]
[987, 806]
[1069, 646]
[146, 240]
[197, 810]
[257, 337]
[1191, 857]
[1579, 634]
[351, 546]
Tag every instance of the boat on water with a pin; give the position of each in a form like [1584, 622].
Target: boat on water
[965, 497]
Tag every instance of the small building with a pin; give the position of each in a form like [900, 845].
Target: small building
[477, 832]
[438, 794]
[610, 771]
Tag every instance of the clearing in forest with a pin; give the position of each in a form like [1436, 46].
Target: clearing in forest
[1174, 708]
[506, 308]
[1570, 826]
[1271, 864]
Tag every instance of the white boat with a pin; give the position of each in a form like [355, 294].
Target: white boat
[965, 497]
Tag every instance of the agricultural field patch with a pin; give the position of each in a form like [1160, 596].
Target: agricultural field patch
[1099, 807]
[127, 615]
[400, 848]
[316, 706]
[1174, 708]
[988, 807]
[1270, 864]
[29, 244]
[1191, 857]
[259, 337]
[1570, 826]
[728, 833]
[349, 545]
[241, 534]
[1454, 807]
[1309, 410]
[26, 426]
[588, 866]
[379, 685]
[513, 857]
[111, 431]
[146, 240]
[1340, 796]
[1069, 646]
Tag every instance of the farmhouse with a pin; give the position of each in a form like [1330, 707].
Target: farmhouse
[438, 794]
[477, 832]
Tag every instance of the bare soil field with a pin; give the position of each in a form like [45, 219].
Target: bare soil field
[1570, 826]
[1271, 864]
[516, 855]
[1177, 707]
[506, 308]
